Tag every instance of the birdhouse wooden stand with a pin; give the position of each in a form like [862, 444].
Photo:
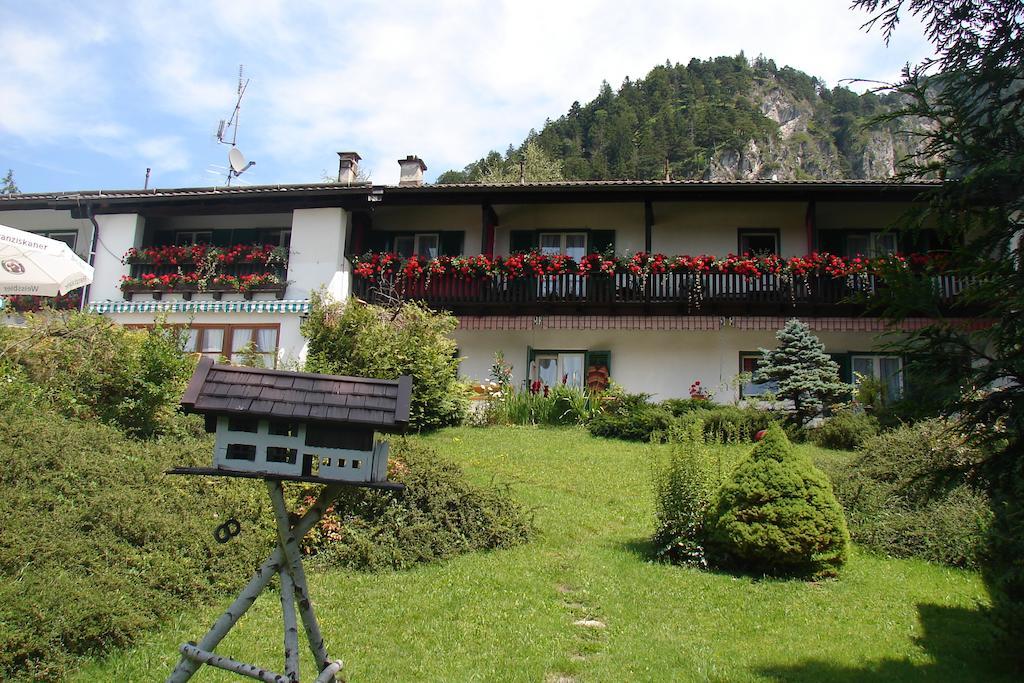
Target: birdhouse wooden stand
[289, 426]
[286, 563]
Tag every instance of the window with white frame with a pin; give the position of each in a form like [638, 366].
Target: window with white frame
[68, 237]
[871, 244]
[425, 245]
[554, 368]
[571, 244]
[748, 366]
[253, 344]
[888, 369]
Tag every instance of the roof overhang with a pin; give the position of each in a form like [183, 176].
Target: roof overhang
[271, 198]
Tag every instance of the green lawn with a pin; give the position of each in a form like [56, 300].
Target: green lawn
[510, 615]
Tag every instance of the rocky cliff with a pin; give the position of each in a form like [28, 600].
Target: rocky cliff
[720, 119]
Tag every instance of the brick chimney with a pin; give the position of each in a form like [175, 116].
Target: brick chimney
[412, 171]
[348, 167]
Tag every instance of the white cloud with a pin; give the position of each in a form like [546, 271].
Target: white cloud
[448, 80]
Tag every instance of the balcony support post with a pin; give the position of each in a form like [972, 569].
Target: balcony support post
[648, 225]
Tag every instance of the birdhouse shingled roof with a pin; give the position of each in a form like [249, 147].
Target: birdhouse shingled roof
[307, 397]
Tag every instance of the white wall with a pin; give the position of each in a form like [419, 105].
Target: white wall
[712, 227]
[467, 218]
[117, 234]
[318, 242]
[663, 363]
[626, 219]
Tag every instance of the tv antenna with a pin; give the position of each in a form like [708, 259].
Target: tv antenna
[237, 164]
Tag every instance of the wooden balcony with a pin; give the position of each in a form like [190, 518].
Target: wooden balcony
[628, 294]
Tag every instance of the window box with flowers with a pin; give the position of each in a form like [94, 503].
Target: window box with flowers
[30, 304]
[186, 270]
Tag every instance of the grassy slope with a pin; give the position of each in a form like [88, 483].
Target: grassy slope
[509, 615]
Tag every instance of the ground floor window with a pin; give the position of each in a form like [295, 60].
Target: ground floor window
[577, 368]
[888, 369]
[748, 365]
[240, 344]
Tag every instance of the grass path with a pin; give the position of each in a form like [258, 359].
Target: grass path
[511, 615]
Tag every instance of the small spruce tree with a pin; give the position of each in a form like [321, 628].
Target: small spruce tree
[7, 184]
[777, 514]
[804, 372]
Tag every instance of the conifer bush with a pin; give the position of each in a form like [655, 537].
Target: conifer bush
[777, 514]
[804, 373]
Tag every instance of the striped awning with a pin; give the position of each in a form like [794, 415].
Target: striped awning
[285, 306]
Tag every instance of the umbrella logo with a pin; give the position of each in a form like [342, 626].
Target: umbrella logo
[13, 266]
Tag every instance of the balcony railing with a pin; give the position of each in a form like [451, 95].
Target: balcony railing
[624, 293]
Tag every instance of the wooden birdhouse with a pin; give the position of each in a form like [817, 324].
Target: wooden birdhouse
[298, 425]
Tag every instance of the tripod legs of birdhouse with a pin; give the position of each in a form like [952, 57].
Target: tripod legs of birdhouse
[275, 564]
[291, 630]
[293, 562]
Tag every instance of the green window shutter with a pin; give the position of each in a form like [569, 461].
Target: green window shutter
[451, 242]
[376, 240]
[223, 238]
[521, 240]
[163, 238]
[599, 369]
[601, 241]
[245, 236]
[832, 241]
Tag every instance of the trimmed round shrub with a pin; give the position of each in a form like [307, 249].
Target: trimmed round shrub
[846, 430]
[777, 514]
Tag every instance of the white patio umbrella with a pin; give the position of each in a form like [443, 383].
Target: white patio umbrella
[34, 265]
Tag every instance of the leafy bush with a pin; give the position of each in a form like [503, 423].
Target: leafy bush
[352, 338]
[641, 424]
[88, 367]
[777, 514]
[98, 545]
[730, 424]
[631, 417]
[906, 495]
[682, 406]
[845, 430]
[684, 489]
[439, 515]
[562, 406]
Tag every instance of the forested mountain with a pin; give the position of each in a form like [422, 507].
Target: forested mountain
[721, 119]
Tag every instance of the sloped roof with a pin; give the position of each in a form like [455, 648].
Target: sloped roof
[363, 191]
[307, 397]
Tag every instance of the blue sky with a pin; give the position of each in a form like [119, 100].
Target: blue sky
[92, 93]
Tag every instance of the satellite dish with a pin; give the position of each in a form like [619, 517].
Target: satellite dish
[237, 160]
